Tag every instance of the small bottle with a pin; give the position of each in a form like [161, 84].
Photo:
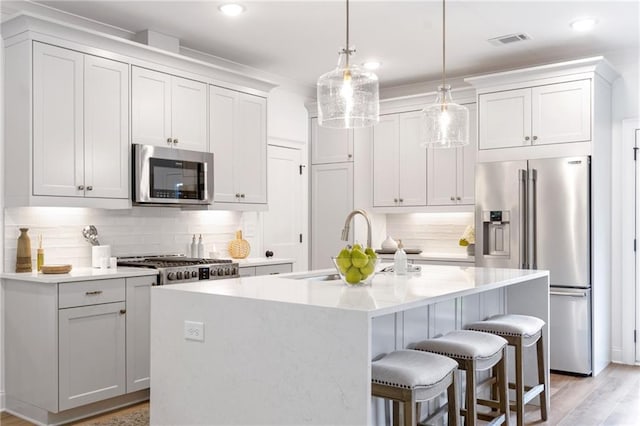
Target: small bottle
[400, 260]
[200, 248]
[194, 247]
[40, 253]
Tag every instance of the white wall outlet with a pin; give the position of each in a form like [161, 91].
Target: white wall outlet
[194, 331]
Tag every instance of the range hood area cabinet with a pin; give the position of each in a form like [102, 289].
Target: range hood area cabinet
[168, 111]
[71, 146]
[238, 140]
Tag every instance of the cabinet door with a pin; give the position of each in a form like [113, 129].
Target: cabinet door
[91, 354]
[189, 114]
[106, 128]
[561, 112]
[221, 140]
[441, 179]
[330, 145]
[58, 157]
[331, 202]
[504, 119]
[250, 149]
[466, 162]
[412, 166]
[138, 331]
[385, 161]
[150, 107]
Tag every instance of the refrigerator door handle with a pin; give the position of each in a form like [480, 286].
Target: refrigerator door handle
[575, 293]
[532, 208]
[523, 218]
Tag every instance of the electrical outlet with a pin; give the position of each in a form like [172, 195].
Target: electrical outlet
[194, 331]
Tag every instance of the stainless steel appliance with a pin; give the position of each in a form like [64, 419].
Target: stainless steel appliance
[178, 269]
[170, 176]
[536, 215]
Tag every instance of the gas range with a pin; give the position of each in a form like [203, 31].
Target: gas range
[174, 269]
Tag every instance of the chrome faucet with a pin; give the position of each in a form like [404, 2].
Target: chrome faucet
[345, 230]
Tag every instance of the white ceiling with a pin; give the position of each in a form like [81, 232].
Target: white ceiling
[299, 39]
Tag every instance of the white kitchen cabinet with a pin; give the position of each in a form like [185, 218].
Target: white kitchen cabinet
[80, 124]
[280, 268]
[168, 110]
[538, 115]
[451, 171]
[399, 162]
[330, 145]
[238, 140]
[138, 298]
[331, 202]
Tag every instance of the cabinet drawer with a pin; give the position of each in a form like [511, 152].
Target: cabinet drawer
[282, 268]
[90, 292]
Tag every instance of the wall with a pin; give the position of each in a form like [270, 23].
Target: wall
[626, 104]
[1, 223]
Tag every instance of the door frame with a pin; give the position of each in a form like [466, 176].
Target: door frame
[629, 271]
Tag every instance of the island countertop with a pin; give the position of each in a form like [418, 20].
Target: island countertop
[388, 293]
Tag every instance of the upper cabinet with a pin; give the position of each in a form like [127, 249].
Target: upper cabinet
[547, 114]
[238, 140]
[168, 110]
[399, 162]
[451, 172]
[330, 145]
[80, 125]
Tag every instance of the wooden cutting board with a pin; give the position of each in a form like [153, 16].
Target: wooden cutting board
[56, 269]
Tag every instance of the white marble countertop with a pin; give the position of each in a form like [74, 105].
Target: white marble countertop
[80, 274]
[388, 293]
[448, 257]
[263, 261]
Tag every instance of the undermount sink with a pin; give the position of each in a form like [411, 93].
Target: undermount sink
[325, 275]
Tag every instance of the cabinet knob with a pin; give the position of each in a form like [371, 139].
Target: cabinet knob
[123, 311]
[237, 195]
[241, 195]
[458, 198]
[453, 198]
[395, 200]
[526, 138]
[89, 188]
[175, 141]
[401, 200]
[81, 187]
[350, 156]
[535, 138]
[169, 141]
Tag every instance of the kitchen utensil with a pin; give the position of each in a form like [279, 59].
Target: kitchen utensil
[90, 233]
[239, 248]
[100, 255]
[56, 269]
[23, 253]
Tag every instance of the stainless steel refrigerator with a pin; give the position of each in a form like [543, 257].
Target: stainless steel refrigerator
[536, 214]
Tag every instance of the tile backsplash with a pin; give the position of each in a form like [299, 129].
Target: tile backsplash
[140, 230]
[434, 233]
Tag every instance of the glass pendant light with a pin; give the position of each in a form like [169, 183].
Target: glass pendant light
[348, 95]
[447, 123]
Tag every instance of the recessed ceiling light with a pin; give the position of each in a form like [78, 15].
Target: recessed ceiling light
[232, 9]
[372, 65]
[584, 24]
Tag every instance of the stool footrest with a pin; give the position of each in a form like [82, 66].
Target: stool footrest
[493, 421]
[435, 415]
[488, 403]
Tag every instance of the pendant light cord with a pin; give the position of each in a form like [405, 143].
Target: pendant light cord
[346, 47]
[443, 41]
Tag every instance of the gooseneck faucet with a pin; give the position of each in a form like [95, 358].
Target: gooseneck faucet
[347, 222]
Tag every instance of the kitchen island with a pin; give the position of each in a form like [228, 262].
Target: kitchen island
[297, 349]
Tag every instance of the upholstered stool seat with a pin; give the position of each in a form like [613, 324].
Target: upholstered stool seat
[521, 331]
[475, 351]
[411, 377]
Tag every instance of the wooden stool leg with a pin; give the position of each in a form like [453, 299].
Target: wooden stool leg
[503, 386]
[452, 400]
[396, 413]
[542, 378]
[410, 411]
[470, 418]
[519, 384]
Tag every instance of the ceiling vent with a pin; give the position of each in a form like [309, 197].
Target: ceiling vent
[508, 39]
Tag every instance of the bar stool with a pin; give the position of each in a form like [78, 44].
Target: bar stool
[412, 377]
[475, 351]
[521, 331]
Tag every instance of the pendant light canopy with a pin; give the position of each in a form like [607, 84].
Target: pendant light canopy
[348, 96]
[446, 123]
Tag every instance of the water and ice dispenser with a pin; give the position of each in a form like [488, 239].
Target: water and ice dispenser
[496, 231]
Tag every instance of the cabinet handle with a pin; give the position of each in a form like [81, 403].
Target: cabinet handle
[526, 138]
[89, 188]
[80, 187]
[123, 311]
[175, 141]
[535, 138]
[93, 293]
[169, 141]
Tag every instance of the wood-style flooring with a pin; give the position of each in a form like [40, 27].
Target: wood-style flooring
[612, 399]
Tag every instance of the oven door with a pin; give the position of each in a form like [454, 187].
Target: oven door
[170, 176]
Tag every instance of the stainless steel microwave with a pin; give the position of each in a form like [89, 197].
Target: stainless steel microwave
[170, 176]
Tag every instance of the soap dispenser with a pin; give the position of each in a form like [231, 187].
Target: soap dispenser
[400, 260]
[200, 248]
[194, 247]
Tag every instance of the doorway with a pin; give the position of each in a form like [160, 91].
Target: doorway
[283, 225]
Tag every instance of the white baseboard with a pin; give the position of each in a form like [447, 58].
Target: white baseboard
[616, 355]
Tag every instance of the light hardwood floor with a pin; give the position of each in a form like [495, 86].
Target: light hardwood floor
[612, 399]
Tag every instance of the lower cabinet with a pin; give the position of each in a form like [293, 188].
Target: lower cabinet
[280, 268]
[138, 332]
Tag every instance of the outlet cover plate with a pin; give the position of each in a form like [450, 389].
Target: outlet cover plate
[194, 330]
